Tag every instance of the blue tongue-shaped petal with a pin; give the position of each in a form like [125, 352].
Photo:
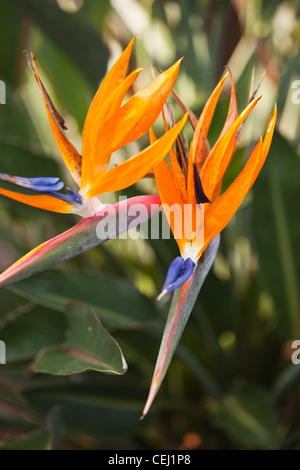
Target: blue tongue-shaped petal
[180, 310]
[40, 185]
[75, 197]
[45, 185]
[179, 272]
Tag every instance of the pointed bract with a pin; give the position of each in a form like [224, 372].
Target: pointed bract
[80, 238]
[180, 310]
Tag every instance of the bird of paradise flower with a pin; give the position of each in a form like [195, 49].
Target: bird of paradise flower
[195, 180]
[109, 125]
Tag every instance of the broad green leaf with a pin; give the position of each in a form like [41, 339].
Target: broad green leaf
[181, 307]
[117, 303]
[35, 328]
[248, 417]
[277, 231]
[81, 42]
[88, 346]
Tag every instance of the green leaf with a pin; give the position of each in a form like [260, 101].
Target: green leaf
[11, 306]
[26, 335]
[36, 440]
[99, 411]
[180, 310]
[16, 133]
[277, 231]
[288, 378]
[81, 42]
[117, 303]
[247, 416]
[56, 426]
[14, 410]
[11, 30]
[88, 346]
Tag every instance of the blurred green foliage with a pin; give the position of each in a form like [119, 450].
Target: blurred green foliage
[232, 383]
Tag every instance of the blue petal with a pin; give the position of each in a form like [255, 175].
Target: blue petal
[75, 196]
[179, 272]
[45, 185]
[40, 185]
[44, 189]
[201, 197]
[70, 198]
[174, 271]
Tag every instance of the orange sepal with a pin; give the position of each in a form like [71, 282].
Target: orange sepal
[138, 114]
[136, 167]
[219, 213]
[69, 153]
[219, 158]
[198, 145]
[96, 146]
[232, 114]
[168, 192]
[113, 78]
[176, 169]
[267, 140]
[172, 203]
[45, 202]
